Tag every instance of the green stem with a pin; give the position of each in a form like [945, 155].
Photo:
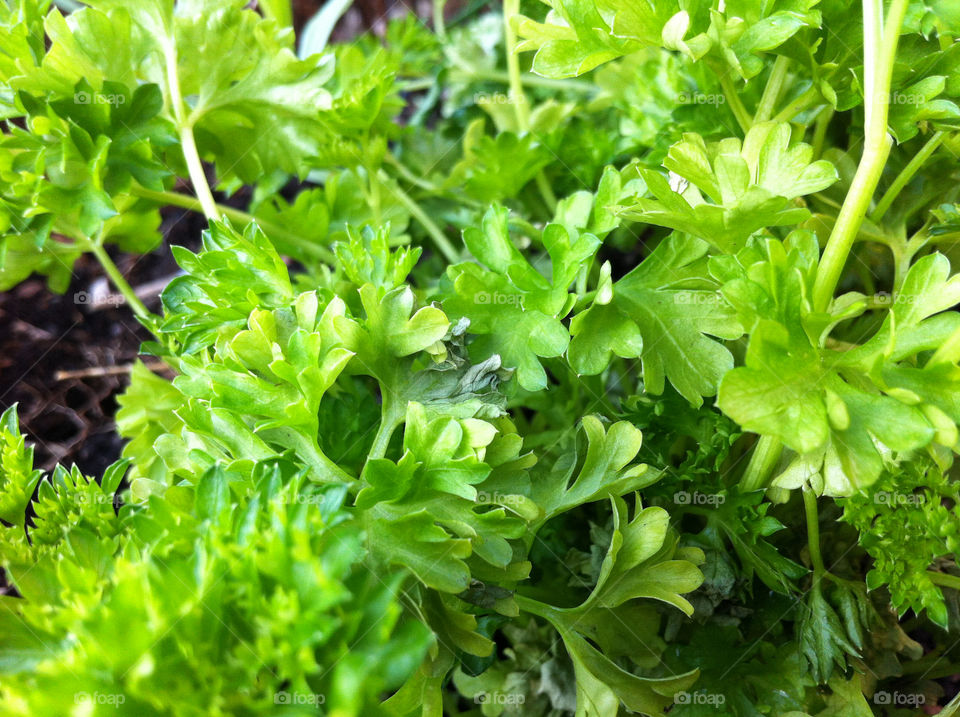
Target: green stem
[797, 106]
[820, 131]
[95, 248]
[546, 191]
[944, 580]
[736, 104]
[517, 97]
[410, 177]
[433, 231]
[813, 534]
[764, 459]
[188, 143]
[905, 176]
[439, 24]
[535, 607]
[585, 299]
[275, 231]
[404, 173]
[771, 93]
[391, 416]
[876, 150]
[526, 227]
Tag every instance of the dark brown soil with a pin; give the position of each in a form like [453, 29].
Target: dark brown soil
[43, 335]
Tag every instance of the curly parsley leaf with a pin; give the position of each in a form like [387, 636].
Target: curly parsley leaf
[664, 312]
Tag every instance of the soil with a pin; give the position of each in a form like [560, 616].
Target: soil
[44, 336]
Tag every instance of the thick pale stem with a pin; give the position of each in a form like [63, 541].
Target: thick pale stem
[197, 175]
[517, 97]
[851, 216]
[439, 24]
[188, 142]
[765, 456]
[944, 580]
[736, 104]
[771, 93]
[879, 56]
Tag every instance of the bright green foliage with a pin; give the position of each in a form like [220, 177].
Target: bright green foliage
[603, 471]
[514, 308]
[750, 186]
[832, 406]
[642, 561]
[235, 274]
[581, 34]
[16, 469]
[665, 311]
[489, 392]
[426, 511]
[231, 63]
[71, 173]
[217, 588]
[494, 169]
[907, 523]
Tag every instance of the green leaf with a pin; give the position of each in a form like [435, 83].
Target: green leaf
[513, 308]
[736, 189]
[664, 311]
[847, 699]
[602, 685]
[602, 469]
[18, 478]
[496, 168]
[213, 495]
[822, 637]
